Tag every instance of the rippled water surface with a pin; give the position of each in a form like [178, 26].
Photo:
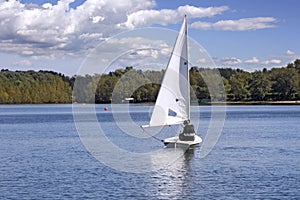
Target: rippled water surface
[257, 156]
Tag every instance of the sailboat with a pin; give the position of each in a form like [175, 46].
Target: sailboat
[172, 105]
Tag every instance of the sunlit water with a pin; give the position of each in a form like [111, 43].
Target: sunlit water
[257, 156]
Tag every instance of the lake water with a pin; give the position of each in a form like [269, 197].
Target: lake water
[257, 156]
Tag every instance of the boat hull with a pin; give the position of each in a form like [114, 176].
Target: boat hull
[173, 142]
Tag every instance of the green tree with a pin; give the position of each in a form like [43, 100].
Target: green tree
[260, 86]
[284, 83]
[240, 86]
[34, 87]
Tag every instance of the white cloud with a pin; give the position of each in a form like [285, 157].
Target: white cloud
[128, 43]
[254, 60]
[290, 53]
[271, 62]
[58, 29]
[167, 16]
[200, 12]
[24, 62]
[202, 25]
[245, 24]
[148, 17]
[230, 61]
[27, 52]
[203, 62]
[129, 51]
[142, 53]
[97, 19]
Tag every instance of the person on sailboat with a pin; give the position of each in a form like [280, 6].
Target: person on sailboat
[188, 133]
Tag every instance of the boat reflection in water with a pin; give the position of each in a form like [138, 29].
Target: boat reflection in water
[174, 181]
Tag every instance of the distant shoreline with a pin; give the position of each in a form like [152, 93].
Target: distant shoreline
[254, 103]
[232, 103]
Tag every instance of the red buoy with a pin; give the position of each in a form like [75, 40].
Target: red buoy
[105, 108]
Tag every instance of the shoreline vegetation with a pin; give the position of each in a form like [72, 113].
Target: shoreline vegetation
[276, 86]
[257, 103]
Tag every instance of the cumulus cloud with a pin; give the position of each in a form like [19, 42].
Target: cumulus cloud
[167, 16]
[128, 51]
[139, 43]
[230, 61]
[202, 61]
[244, 24]
[254, 60]
[289, 53]
[271, 62]
[24, 62]
[59, 28]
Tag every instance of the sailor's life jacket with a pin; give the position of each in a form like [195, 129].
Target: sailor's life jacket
[188, 129]
[188, 133]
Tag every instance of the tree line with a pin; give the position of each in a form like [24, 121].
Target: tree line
[30, 87]
[276, 84]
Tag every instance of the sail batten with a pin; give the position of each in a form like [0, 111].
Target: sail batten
[173, 96]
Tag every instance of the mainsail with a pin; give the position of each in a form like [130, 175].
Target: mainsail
[173, 102]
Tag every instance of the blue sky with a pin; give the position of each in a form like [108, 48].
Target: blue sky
[58, 35]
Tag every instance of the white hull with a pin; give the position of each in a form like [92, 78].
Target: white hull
[176, 142]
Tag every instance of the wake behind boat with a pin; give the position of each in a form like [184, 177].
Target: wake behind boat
[172, 106]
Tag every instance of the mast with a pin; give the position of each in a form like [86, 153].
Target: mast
[188, 74]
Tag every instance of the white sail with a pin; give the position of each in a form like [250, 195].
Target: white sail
[173, 102]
